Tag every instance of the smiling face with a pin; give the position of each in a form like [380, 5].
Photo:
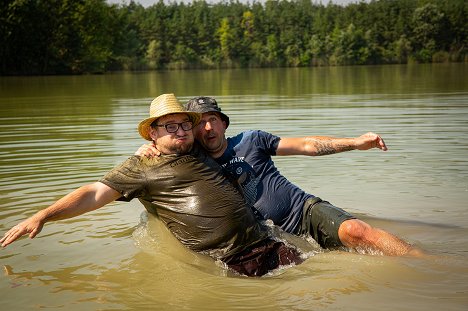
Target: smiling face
[179, 142]
[210, 134]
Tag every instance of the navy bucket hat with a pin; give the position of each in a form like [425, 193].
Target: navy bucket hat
[204, 104]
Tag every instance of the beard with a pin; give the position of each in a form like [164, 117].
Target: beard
[179, 147]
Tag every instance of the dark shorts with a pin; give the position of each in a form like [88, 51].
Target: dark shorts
[322, 220]
[263, 257]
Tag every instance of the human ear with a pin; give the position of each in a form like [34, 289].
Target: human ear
[153, 133]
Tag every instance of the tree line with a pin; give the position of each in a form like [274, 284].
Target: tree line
[92, 36]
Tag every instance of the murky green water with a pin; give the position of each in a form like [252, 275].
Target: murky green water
[57, 133]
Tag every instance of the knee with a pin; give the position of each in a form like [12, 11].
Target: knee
[353, 232]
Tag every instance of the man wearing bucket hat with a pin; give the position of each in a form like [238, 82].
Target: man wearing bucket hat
[187, 191]
[247, 158]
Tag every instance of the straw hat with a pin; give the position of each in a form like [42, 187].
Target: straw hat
[163, 105]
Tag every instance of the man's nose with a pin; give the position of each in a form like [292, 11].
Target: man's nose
[208, 126]
[181, 131]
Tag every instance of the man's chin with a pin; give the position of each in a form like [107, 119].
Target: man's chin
[183, 148]
[209, 144]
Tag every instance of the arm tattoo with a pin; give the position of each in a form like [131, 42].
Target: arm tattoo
[327, 146]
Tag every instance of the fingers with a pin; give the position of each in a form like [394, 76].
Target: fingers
[374, 141]
[381, 143]
[141, 151]
[18, 231]
[35, 232]
[12, 235]
[148, 150]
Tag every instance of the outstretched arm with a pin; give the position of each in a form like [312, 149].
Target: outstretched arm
[84, 199]
[323, 145]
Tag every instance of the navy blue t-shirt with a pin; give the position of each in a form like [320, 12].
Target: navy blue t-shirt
[247, 160]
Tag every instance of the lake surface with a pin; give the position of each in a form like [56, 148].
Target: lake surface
[58, 133]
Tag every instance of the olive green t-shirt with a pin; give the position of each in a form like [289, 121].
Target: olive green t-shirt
[192, 197]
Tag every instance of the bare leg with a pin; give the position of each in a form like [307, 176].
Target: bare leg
[355, 234]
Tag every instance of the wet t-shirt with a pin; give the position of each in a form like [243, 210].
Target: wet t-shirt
[248, 161]
[191, 196]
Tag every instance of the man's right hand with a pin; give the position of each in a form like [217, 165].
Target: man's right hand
[148, 150]
[82, 200]
[32, 225]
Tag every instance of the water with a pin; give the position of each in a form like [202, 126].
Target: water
[57, 133]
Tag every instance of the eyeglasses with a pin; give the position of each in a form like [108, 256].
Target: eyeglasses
[174, 127]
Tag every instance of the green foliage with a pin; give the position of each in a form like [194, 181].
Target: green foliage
[92, 36]
[226, 39]
[428, 23]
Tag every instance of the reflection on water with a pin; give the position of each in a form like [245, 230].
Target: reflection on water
[57, 133]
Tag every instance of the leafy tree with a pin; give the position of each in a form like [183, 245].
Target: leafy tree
[428, 25]
[401, 50]
[89, 36]
[154, 54]
[225, 39]
[129, 46]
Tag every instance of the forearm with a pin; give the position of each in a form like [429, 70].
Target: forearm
[82, 200]
[323, 145]
[314, 145]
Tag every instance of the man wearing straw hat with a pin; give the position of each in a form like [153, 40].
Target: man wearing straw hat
[185, 188]
[246, 158]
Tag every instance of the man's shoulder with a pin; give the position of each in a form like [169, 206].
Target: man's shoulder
[250, 135]
[161, 160]
[250, 141]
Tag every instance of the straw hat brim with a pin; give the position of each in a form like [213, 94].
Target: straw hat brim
[145, 125]
[161, 106]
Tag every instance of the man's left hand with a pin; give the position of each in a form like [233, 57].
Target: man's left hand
[370, 140]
